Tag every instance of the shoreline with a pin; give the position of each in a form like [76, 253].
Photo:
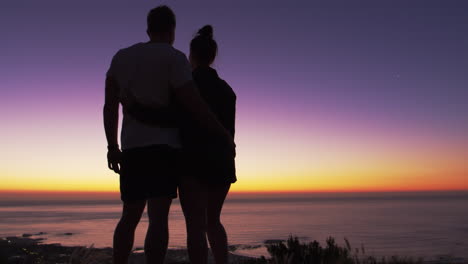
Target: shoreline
[15, 249]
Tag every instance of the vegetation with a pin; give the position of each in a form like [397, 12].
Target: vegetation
[294, 252]
[85, 255]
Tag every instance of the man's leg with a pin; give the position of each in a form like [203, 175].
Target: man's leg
[125, 231]
[157, 236]
[193, 201]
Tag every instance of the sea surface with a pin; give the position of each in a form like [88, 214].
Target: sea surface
[416, 224]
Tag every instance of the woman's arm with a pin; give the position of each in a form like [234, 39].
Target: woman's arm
[160, 117]
[155, 116]
[232, 116]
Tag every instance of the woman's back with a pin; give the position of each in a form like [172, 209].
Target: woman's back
[218, 95]
[207, 158]
[222, 101]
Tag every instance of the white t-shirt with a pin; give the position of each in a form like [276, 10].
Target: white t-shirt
[149, 71]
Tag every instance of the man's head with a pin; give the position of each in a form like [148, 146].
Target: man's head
[161, 23]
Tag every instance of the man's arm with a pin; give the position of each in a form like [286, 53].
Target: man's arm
[111, 123]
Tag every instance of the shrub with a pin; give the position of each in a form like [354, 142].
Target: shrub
[294, 252]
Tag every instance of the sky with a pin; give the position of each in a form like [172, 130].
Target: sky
[332, 95]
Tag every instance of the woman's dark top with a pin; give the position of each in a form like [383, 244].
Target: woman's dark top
[207, 158]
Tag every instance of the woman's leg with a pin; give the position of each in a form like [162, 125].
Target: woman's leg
[124, 234]
[193, 201]
[215, 230]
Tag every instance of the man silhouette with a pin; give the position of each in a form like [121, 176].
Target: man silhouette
[154, 73]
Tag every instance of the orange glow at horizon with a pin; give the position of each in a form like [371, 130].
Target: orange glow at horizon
[283, 159]
[353, 182]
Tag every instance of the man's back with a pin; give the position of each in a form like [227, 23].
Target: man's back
[149, 71]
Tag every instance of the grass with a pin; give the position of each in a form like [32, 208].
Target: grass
[88, 255]
[294, 252]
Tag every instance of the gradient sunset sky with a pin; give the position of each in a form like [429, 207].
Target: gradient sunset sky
[332, 95]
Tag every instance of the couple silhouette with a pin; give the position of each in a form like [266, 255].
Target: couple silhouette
[177, 138]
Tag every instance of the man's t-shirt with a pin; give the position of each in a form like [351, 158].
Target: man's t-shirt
[149, 71]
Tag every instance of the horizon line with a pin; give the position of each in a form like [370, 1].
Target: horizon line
[240, 191]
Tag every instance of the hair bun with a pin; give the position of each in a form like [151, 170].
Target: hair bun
[206, 31]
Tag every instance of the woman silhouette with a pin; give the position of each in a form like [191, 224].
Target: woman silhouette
[210, 168]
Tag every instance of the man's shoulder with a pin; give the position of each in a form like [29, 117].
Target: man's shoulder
[128, 50]
[162, 54]
[175, 54]
[178, 52]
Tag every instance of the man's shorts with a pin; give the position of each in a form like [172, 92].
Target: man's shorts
[149, 172]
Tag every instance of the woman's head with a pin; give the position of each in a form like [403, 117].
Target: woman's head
[203, 47]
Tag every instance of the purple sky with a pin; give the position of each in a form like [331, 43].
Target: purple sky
[401, 60]
[365, 66]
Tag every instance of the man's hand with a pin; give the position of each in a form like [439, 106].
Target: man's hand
[111, 123]
[114, 159]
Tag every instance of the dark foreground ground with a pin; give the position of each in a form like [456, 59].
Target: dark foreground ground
[24, 250]
[28, 250]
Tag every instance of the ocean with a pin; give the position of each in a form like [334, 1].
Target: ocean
[417, 224]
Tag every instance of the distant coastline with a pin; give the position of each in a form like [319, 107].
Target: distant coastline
[24, 249]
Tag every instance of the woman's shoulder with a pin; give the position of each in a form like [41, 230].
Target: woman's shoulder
[208, 78]
[226, 87]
